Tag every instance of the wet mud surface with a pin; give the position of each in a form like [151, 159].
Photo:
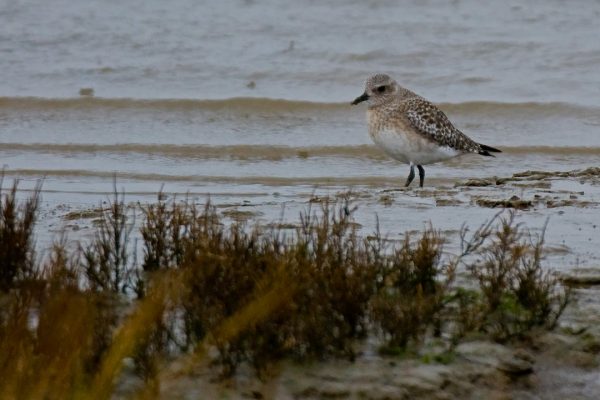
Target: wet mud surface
[560, 364]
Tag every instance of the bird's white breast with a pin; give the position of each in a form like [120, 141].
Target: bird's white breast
[405, 145]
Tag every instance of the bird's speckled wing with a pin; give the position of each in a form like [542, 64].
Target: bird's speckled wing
[432, 123]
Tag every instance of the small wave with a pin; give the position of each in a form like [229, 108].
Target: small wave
[232, 152]
[245, 104]
[229, 180]
[524, 108]
[553, 150]
[261, 104]
[255, 152]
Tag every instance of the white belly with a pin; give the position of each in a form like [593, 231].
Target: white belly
[411, 148]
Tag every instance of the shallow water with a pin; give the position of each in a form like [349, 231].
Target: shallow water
[533, 51]
[188, 97]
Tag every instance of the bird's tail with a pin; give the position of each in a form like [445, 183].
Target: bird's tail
[485, 150]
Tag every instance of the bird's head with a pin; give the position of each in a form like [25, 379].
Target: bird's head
[379, 89]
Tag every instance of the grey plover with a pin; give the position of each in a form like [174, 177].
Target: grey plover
[411, 129]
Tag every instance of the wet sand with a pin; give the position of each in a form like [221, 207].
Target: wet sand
[551, 365]
[568, 202]
[559, 364]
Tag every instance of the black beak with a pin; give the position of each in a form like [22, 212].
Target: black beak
[360, 99]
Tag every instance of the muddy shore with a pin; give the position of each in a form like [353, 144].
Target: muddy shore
[560, 364]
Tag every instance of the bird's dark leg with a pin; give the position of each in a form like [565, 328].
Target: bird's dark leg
[411, 176]
[421, 175]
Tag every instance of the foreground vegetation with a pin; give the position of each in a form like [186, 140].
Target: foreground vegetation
[216, 295]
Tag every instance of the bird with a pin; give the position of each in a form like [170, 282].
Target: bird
[411, 129]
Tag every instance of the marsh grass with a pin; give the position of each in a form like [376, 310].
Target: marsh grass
[414, 287]
[517, 293]
[326, 268]
[17, 221]
[106, 260]
[224, 295]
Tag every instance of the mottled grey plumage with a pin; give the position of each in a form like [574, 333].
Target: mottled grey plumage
[432, 123]
[410, 128]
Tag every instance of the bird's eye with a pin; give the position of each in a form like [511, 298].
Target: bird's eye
[381, 89]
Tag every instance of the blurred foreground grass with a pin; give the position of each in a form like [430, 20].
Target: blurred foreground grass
[215, 295]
